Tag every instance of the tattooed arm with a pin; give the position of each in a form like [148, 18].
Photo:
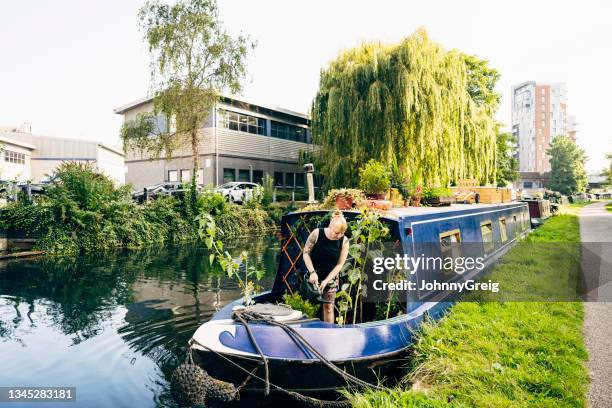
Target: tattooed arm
[312, 239]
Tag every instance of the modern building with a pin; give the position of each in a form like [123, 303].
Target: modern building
[15, 158]
[240, 141]
[47, 152]
[539, 113]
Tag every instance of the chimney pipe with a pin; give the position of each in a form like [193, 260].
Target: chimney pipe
[309, 167]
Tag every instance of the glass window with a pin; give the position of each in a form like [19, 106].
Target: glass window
[449, 245]
[503, 233]
[289, 180]
[229, 175]
[172, 175]
[185, 175]
[241, 122]
[244, 175]
[14, 157]
[279, 180]
[299, 180]
[288, 132]
[486, 230]
[257, 176]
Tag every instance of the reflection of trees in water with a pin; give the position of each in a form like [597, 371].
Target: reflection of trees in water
[80, 295]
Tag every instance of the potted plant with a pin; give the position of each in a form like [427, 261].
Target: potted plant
[415, 196]
[438, 196]
[374, 180]
[344, 199]
[402, 186]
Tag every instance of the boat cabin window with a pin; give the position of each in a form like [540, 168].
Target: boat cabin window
[449, 241]
[486, 230]
[503, 233]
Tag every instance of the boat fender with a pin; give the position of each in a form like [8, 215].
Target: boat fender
[191, 385]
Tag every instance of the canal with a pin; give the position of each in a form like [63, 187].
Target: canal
[113, 325]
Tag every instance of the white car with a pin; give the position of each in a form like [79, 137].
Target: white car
[237, 191]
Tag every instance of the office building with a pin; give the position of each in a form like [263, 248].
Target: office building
[240, 141]
[45, 153]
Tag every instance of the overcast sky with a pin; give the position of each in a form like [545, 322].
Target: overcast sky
[65, 65]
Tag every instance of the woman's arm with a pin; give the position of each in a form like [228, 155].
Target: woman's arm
[334, 272]
[310, 242]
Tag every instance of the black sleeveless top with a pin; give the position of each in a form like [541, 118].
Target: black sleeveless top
[325, 254]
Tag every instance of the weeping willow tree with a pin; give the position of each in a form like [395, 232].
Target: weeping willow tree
[425, 111]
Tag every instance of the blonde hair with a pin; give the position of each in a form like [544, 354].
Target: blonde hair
[338, 222]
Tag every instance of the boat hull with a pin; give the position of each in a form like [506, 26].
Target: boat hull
[304, 376]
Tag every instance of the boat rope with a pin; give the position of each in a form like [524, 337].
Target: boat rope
[264, 359]
[244, 316]
[315, 402]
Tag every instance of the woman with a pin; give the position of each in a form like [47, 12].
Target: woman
[324, 254]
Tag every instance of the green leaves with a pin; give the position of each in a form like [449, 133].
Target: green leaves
[507, 166]
[193, 62]
[239, 269]
[567, 173]
[427, 112]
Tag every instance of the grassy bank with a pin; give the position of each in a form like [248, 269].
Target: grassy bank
[513, 354]
[609, 206]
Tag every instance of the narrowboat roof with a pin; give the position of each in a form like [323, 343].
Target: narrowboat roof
[454, 209]
[403, 212]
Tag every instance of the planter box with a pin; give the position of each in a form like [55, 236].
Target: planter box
[439, 201]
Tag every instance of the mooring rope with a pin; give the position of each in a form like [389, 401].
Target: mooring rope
[256, 345]
[304, 398]
[293, 334]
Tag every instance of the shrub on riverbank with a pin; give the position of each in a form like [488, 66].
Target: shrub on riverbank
[512, 354]
[83, 211]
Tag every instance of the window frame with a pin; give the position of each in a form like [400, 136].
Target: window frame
[485, 244]
[503, 237]
[176, 176]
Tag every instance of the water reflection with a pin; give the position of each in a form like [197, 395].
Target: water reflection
[113, 325]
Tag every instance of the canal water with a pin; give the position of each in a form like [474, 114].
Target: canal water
[113, 325]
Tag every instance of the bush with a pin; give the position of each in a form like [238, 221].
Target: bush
[84, 211]
[374, 178]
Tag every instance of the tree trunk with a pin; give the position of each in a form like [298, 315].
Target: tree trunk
[195, 150]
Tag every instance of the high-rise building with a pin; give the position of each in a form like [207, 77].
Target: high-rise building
[539, 113]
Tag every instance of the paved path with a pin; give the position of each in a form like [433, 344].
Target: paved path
[595, 232]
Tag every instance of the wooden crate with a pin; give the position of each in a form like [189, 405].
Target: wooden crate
[506, 195]
[489, 195]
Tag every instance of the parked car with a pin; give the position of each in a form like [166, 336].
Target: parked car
[237, 191]
[174, 189]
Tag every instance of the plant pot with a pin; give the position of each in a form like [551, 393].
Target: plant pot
[415, 201]
[376, 196]
[344, 202]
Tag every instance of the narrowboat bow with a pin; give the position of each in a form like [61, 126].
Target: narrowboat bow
[298, 351]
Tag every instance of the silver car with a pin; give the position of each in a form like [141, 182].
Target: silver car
[237, 191]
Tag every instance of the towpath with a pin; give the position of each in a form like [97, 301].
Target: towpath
[595, 232]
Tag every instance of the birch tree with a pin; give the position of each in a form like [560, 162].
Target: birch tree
[193, 62]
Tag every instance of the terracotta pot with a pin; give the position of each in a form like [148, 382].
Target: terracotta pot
[344, 202]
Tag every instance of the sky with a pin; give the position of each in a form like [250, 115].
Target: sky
[66, 64]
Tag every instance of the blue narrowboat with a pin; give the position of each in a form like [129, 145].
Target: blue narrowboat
[299, 359]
